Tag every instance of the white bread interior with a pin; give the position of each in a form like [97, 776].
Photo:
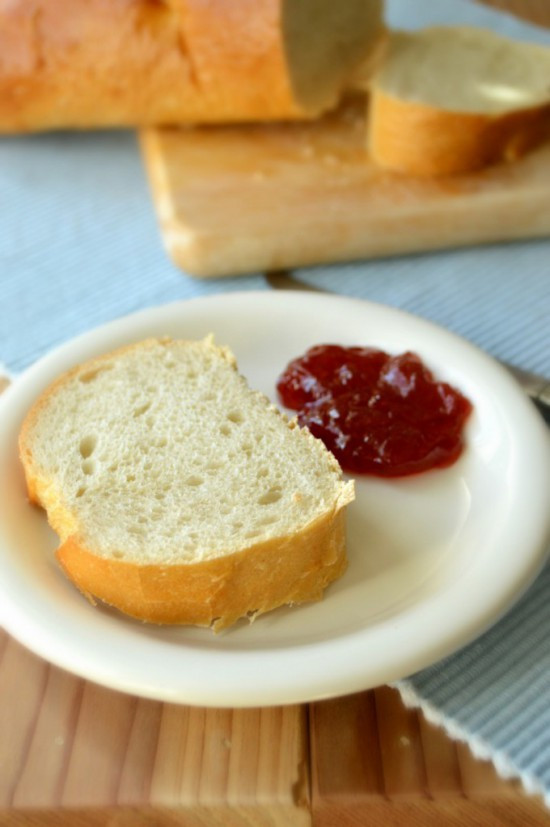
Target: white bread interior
[179, 494]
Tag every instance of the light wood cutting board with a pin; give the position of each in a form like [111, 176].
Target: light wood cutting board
[242, 199]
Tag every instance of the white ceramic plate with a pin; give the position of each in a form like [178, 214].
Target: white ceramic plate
[434, 559]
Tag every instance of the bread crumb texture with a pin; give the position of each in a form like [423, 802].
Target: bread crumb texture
[172, 484]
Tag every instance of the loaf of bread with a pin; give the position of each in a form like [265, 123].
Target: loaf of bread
[94, 63]
[449, 100]
[180, 495]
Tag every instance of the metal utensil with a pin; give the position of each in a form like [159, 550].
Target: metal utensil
[536, 387]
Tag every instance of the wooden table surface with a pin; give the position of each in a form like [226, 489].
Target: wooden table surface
[73, 753]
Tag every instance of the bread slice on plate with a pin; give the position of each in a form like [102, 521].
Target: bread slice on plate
[181, 496]
[449, 100]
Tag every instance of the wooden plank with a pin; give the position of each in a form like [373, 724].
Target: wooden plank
[440, 760]
[345, 755]
[478, 778]
[73, 752]
[20, 702]
[375, 762]
[400, 747]
[45, 765]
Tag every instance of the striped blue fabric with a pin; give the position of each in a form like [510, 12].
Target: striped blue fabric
[495, 693]
[79, 246]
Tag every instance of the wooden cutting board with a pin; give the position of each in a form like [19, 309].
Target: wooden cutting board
[252, 198]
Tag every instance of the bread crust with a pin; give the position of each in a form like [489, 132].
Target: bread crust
[422, 140]
[124, 62]
[94, 63]
[217, 592]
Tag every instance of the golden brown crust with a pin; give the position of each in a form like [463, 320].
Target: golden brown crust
[88, 63]
[215, 592]
[417, 139]
[93, 63]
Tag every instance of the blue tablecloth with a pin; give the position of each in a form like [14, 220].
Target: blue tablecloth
[79, 245]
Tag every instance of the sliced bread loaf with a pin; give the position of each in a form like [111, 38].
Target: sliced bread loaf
[179, 494]
[98, 63]
[447, 100]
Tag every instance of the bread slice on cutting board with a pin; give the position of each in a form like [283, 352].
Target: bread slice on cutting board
[449, 100]
[99, 63]
[180, 495]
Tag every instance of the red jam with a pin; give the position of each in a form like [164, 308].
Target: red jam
[378, 414]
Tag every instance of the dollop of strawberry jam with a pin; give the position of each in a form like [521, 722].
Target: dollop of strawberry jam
[378, 414]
